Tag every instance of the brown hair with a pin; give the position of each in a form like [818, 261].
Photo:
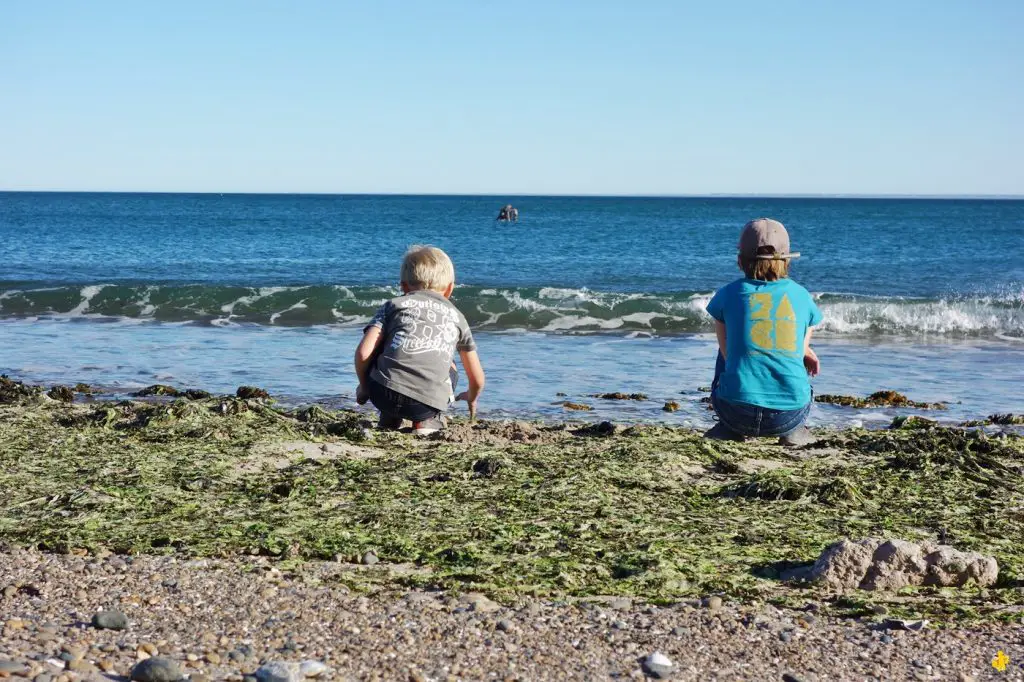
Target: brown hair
[765, 270]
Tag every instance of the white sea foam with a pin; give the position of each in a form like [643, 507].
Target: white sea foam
[344, 291]
[88, 293]
[301, 305]
[262, 292]
[958, 317]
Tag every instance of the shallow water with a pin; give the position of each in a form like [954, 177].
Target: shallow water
[583, 295]
[525, 370]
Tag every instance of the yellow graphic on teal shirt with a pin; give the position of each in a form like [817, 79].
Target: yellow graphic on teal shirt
[772, 329]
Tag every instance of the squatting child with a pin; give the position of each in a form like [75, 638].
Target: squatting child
[404, 361]
[764, 322]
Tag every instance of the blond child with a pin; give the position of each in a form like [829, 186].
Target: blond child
[404, 361]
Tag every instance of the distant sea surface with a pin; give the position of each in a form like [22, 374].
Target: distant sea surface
[582, 295]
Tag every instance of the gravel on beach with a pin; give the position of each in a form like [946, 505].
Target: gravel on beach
[223, 618]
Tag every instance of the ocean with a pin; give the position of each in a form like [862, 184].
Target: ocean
[583, 295]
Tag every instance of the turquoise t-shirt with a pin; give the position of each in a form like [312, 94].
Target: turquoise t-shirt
[765, 326]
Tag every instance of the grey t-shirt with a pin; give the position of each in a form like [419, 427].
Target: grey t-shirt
[422, 330]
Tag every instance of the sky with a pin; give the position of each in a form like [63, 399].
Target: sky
[643, 97]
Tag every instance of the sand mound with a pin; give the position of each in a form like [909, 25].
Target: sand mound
[502, 433]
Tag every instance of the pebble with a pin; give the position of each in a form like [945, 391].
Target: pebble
[110, 620]
[81, 667]
[13, 668]
[213, 658]
[156, 669]
[620, 625]
[658, 666]
[312, 669]
[278, 671]
[504, 625]
[75, 652]
[370, 559]
[713, 603]
[480, 603]
[678, 631]
[620, 604]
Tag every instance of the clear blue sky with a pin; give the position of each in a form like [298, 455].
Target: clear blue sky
[477, 96]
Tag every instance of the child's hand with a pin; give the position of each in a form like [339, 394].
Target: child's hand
[362, 395]
[811, 362]
[471, 403]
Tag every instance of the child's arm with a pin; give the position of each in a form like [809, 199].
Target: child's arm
[475, 375]
[720, 333]
[365, 352]
[811, 362]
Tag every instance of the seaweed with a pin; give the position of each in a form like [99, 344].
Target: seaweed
[156, 389]
[17, 393]
[1006, 419]
[647, 511]
[252, 393]
[876, 399]
[61, 393]
[620, 396]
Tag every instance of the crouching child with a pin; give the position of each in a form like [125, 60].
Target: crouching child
[404, 361]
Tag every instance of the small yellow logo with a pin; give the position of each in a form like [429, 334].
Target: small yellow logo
[1000, 661]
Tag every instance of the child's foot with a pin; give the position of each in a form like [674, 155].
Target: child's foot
[389, 422]
[427, 427]
[721, 432]
[801, 436]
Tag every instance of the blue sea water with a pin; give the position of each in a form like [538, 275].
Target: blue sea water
[582, 295]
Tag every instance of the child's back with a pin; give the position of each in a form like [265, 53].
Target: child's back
[766, 324]
[421, 332]
[763, 322]
[404, 362]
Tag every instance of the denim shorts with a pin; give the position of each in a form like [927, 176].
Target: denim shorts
[751, 420]
[394, 404]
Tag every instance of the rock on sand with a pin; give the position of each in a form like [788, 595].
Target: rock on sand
[892, 564]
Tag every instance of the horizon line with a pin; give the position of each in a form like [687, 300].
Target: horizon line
[712, 195]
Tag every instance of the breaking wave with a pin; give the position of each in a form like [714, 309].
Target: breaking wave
[546, 309]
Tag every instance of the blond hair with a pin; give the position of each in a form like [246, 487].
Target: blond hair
[765, 270]
[427, 267]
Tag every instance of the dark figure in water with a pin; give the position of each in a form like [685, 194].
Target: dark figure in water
[508, 212]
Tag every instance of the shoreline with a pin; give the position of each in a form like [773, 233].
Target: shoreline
[532, 515]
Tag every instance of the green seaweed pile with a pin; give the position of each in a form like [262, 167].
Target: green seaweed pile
[511, 508]
[876, 399]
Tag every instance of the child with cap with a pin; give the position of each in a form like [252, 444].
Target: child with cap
[404, 361]
[763, 322]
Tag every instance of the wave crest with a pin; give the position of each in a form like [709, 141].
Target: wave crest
[547, 309]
